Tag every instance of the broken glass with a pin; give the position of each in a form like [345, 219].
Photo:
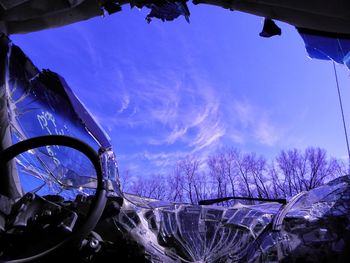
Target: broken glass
[41, 103]
[314, 220]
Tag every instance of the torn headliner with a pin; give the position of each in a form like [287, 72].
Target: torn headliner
[23, 16]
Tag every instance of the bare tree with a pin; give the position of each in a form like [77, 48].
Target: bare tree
[277, 188]
[151, 187]
[319, 168]
[339, 167]
[189, 169]
[256, 167]
[202, 186]
[243, 167]
[175, 184]
[217, 172]
[186, 183]
[292, 168]
[125, 180]
[235, 173]
[229, 172]
[296, 171]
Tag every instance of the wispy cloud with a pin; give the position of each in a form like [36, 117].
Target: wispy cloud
[147, 162]
[256, 123]
[208, 135]
[176, 134]
[170, 117]
[171, 110]
[167, 117]
[266, 133]
[125, 101]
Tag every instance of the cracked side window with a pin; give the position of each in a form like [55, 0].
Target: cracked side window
[41, 103]
[56, 170]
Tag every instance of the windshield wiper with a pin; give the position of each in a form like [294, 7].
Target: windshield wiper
[219, 200]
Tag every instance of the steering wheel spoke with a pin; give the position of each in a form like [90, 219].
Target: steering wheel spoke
[38, 226]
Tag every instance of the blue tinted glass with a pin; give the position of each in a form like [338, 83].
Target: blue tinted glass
[39, 105]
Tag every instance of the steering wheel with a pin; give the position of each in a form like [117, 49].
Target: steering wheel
[98, 201]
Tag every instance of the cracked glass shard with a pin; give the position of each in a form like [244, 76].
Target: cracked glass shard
[41, 103]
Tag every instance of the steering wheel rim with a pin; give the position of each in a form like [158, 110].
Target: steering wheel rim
[98, 201]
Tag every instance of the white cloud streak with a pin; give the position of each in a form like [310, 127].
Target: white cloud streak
[171, 110]
[256, 123]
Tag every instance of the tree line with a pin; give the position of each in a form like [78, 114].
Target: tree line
[230, 172]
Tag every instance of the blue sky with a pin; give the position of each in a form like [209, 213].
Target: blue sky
[166, 90]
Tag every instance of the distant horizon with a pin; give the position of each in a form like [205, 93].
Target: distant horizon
[163, 91]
